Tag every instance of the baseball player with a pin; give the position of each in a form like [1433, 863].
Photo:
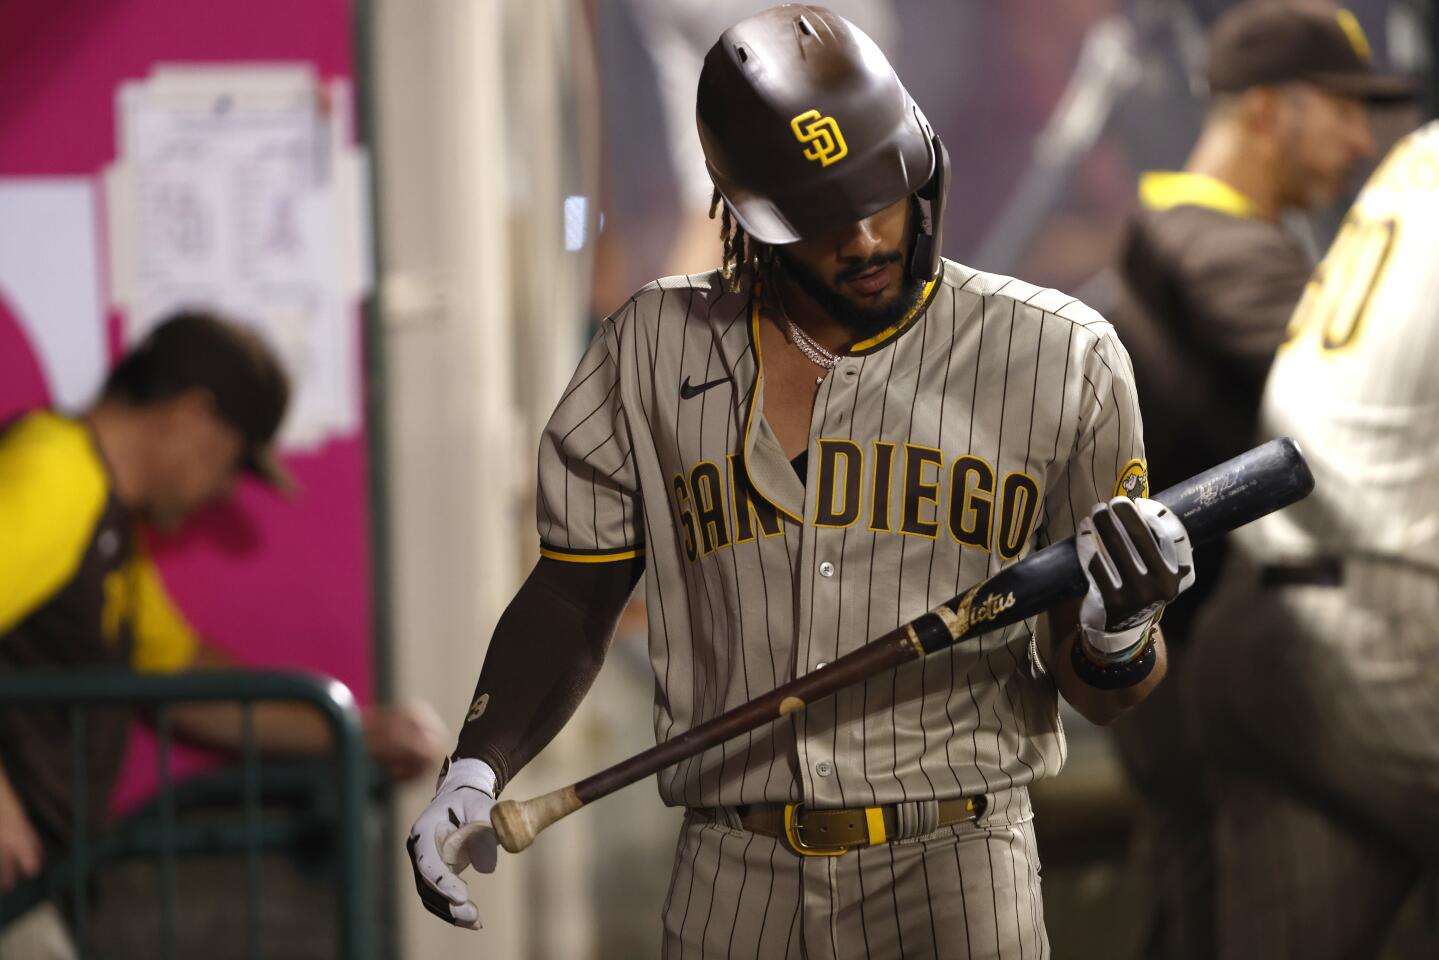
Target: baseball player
[1313, 681]
[831, 434]
[1210, 278]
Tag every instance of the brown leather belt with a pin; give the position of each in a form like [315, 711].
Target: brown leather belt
[829, 833]
[1319, 572]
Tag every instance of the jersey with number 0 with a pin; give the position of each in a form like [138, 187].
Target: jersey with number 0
[1356, 382]
[980, 426]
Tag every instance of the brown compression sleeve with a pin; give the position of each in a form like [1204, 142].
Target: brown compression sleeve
[546, 651]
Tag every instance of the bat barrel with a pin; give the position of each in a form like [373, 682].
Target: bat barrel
[1223, 498]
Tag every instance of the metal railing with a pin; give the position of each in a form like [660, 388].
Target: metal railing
[161, 834]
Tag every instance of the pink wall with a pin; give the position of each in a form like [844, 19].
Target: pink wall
[276, 583]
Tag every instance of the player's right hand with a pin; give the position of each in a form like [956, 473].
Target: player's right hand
[451, 834]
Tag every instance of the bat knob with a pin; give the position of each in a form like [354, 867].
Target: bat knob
[517, 824]
[512, 825]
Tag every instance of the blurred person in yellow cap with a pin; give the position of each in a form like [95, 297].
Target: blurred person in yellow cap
[1209, 279]
[180, 419]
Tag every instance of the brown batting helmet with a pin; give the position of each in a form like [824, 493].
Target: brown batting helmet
[806, 127]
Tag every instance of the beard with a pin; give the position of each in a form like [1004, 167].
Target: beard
[860, 320]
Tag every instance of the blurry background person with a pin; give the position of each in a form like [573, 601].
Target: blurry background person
[181, 417]
[1313, 681]
[1209, 280]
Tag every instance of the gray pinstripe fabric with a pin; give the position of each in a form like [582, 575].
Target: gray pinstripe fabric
[967, 891]
[986, 426]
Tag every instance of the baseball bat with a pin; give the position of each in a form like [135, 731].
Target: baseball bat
[1260, 481]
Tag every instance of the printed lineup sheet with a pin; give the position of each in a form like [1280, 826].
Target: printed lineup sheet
[240, 189]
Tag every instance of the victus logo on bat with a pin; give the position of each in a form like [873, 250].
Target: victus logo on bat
[971, 613]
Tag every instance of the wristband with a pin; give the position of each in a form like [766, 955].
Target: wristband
[1106, 674]
[466, 772]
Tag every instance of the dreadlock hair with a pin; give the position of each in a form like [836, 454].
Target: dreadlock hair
[742, 253]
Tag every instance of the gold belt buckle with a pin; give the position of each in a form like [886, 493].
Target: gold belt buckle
[792, 824]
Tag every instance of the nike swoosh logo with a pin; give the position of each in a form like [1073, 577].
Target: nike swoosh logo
[689, 392]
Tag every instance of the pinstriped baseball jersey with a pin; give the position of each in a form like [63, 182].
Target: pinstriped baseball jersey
[1355, 383]
[981, 426]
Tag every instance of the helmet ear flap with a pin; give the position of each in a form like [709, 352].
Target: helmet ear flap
[924, 257]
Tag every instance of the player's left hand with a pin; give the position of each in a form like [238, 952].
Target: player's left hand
[1137, 558]
[407, 740]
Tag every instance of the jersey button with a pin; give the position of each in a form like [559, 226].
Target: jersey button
[821, 665]
[826, 569]
[824, 768]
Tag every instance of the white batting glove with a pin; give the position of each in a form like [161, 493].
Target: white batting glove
[451, 834]
[1137, 557]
